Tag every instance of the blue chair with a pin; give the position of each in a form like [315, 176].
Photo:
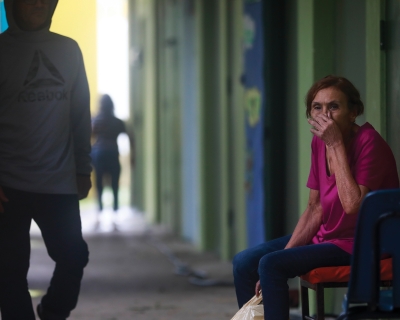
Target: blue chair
[377, 234]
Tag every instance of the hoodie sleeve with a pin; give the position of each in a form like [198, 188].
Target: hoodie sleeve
[80, 119]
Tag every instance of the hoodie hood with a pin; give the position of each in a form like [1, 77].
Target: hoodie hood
[12, 25]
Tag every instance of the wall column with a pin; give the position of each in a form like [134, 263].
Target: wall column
[375, 102]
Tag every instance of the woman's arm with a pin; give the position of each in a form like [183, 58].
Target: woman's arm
[306, 227]
[309, 222]
[350, 193]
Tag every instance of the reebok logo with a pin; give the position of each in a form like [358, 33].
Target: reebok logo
[47, 95]
[40, 81]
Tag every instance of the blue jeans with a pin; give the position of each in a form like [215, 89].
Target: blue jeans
[58, 218]
[273, 266]
[106, 162]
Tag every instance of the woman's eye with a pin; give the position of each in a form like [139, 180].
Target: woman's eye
[333, 106]
[316, 107]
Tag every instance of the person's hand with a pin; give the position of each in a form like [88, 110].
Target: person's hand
[3, 198]
[258, 288]
[84, 184]
[325, 128]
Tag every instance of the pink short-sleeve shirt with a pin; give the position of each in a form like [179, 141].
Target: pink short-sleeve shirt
[372, 165]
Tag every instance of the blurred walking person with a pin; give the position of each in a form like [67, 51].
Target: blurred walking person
[105, 155]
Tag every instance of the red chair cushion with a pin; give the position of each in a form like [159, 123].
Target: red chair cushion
[342, 274]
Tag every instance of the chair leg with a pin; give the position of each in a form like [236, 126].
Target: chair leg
[304, 303]
[320, 302]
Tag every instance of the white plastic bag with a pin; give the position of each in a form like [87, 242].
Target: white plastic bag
[252, 310]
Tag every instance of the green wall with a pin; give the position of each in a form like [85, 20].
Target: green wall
[375, 102]
[169, 114]
[143, 96]
[212, 192]
[222, 169]
[305, 78]
[238, 233]
[155, 35]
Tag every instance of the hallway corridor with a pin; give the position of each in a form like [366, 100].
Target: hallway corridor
[132, 273]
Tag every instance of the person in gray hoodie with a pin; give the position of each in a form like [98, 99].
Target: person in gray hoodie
[45, 166]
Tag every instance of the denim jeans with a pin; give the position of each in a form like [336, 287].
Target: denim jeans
[59, 221]
[273, 266]
[106, 162]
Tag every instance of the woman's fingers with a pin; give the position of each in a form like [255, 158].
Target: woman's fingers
[258, 288]
[315, 125]
[313, 122]
[324, 118]
[321, 121]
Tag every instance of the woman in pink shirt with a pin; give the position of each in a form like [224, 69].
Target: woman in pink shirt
[347, 162]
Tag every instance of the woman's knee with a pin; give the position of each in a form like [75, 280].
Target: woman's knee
[238, 263]
[243, 263]
[270, 263]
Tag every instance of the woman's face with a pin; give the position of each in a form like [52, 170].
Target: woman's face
[333, 101]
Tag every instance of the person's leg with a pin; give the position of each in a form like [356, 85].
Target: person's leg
[15, 301]
[99, 186]
[277, 267]
[245, 267]
[58, 218]
[115, 174]
[98, 172]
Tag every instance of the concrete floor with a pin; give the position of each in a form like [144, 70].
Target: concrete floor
[140, 272]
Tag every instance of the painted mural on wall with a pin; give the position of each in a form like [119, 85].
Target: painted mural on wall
[253, 101]
[254, 105]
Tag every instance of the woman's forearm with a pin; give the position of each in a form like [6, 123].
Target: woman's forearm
[304, 232]
[309, 223]
[349, 191]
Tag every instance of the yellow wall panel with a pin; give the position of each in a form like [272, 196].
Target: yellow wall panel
[77, 19]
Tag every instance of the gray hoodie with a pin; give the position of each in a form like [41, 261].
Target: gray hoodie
[44, 110]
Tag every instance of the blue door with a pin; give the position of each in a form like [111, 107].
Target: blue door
[254, 103]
